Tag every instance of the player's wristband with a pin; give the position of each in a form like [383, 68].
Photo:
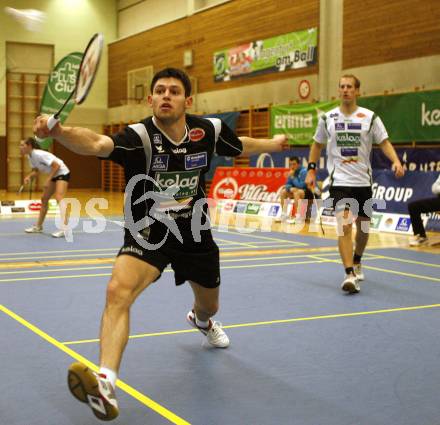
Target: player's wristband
[311, 166]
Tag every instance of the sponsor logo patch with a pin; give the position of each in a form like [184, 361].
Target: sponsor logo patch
[403, 224]
[340, 126]
[157, 139]
[178, 150]
[196, 134]
[240, 207]
[160, 162]
[348, 139]
[253, 209]
[186, 181]
[196, 160]
[273, 211]
[354, 126]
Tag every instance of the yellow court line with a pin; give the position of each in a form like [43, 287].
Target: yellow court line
[236, 243]
[273, 322]
[19, 279]
[251, 235]
[104, 254]
[380, 269]
[404, 260]
[58, 251]
[172, 417]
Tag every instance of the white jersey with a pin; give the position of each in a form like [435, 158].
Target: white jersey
[42, 160]
[349, 140]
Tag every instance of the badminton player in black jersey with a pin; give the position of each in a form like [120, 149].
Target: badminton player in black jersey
[165, 158]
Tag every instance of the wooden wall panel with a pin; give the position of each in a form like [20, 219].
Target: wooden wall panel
[85, 170]
[377, 31]
[225, 26]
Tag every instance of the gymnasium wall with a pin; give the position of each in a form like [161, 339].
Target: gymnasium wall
[68, 27]
[382, 42]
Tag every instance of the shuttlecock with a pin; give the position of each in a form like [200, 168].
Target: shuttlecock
[31, 19]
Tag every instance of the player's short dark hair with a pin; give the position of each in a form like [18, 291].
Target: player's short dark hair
[178, 74]
[357, 82]
[31, 141]
[294, 158]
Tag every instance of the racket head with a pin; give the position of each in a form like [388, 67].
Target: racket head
[88, 67]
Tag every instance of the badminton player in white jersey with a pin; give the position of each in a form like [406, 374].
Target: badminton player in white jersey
[56, 183]
[349, 132]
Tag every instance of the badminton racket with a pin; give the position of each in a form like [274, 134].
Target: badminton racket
[20, 189]
[85, 76]
[31, 183]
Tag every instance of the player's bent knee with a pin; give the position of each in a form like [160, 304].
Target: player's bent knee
[119, 293]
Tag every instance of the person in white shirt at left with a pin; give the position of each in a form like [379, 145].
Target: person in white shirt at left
[55, 185]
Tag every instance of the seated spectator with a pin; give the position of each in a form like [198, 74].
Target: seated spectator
[416, 208]
[295, 188]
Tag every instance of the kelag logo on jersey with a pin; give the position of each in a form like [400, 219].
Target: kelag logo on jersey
[186, 181]
[348, 139]
[196, 160]
[160, 162]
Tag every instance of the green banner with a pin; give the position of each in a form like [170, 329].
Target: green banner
[408, 117]
[58, 88]
[298, 121]
[281, 53]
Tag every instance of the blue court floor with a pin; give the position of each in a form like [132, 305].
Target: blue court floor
[302, 352]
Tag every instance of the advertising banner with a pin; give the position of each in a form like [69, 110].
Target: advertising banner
[248, 184]
[276, 54]
[413, 159]
[58, 88]
[409, 116]
[26, 207]
[298, 122]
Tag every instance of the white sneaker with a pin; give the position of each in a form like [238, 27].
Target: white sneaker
[94, 389]
[358, 271]
[350, 284]
[214, 333]
[58, 234]
[418, 240]
[34, 229]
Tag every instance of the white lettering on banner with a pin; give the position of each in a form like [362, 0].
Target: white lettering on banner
[294, 121]
[397, 194]
[261, 158]
[430, 117]
[252, 192]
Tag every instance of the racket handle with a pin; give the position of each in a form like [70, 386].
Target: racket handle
[52, 122]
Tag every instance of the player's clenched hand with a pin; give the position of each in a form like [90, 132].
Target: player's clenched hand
[40, 127]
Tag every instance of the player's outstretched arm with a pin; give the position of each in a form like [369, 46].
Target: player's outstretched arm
[253, 146]
[77, 139]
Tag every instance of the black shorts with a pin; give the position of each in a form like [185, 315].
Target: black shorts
[197, 262]
[65, 177]
[353, 199]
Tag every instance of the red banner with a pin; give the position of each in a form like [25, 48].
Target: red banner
[249, 184]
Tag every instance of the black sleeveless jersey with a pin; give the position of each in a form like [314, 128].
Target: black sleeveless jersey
[175, 187]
